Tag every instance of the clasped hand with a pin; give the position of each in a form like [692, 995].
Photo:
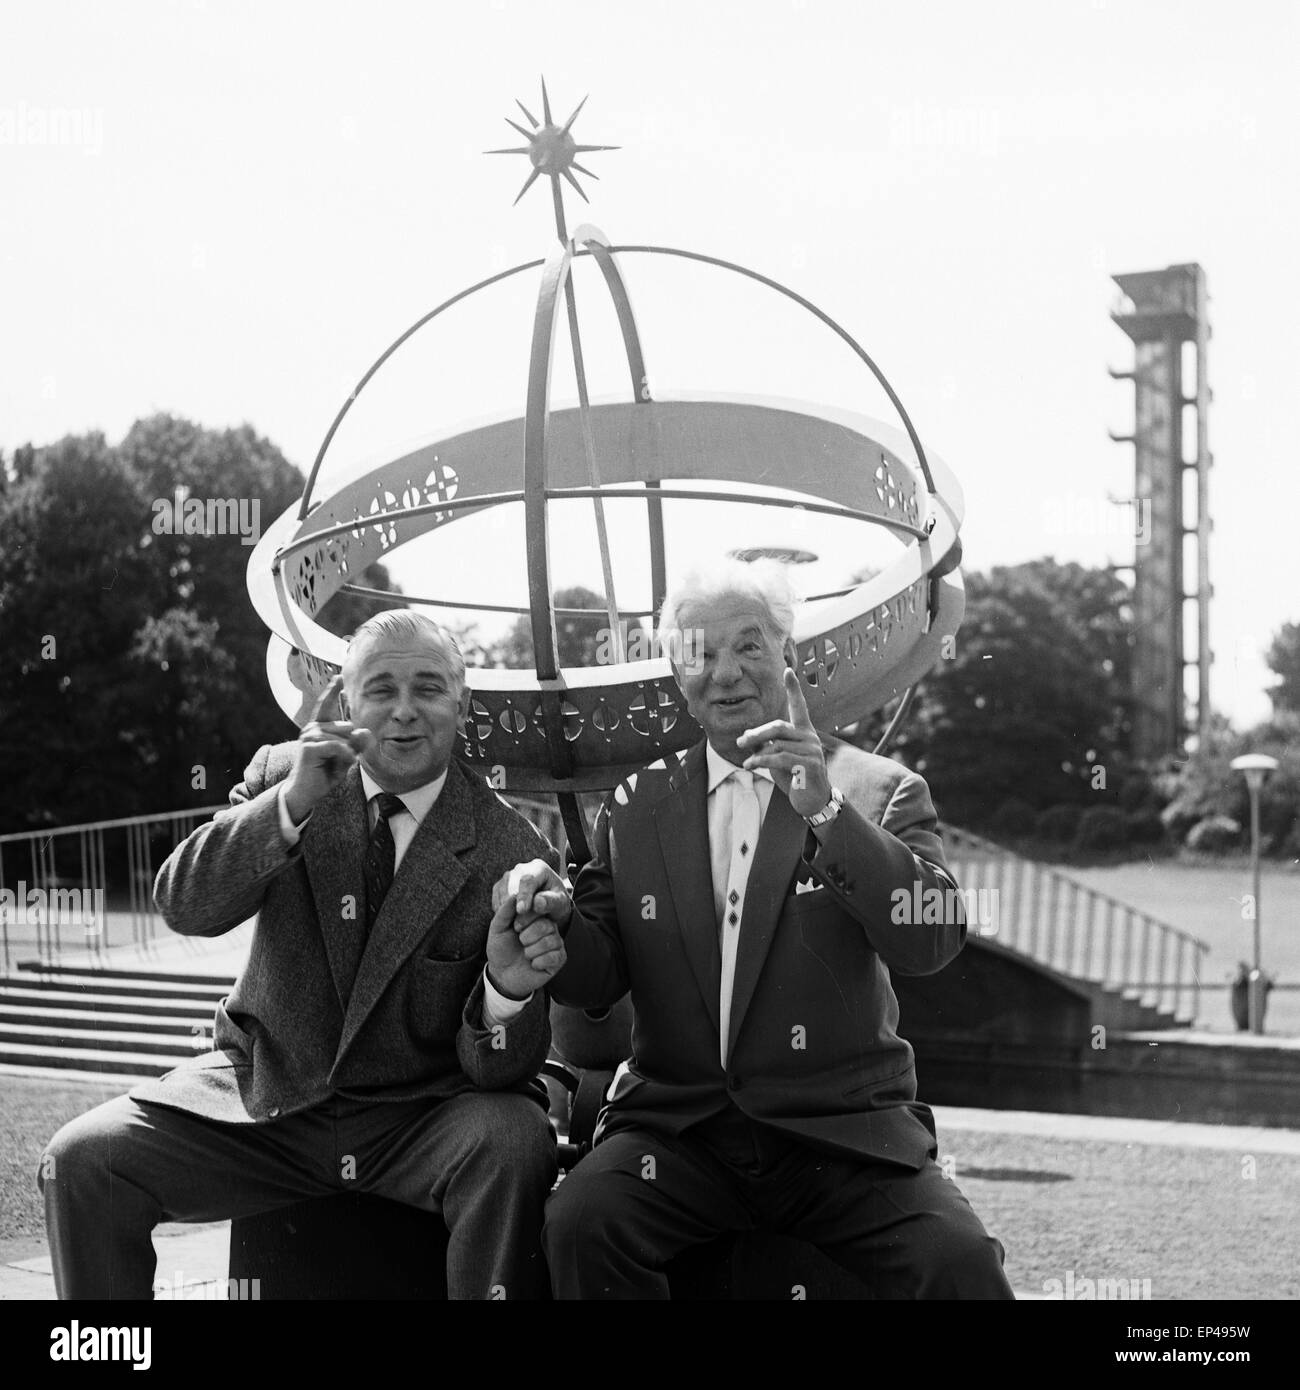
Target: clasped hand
[530, 907]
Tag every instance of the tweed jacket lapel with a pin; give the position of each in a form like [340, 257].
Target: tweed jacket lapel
[682, 822]
[428, 878]
[334, 846]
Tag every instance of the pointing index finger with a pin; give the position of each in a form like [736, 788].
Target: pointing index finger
[799, 715]
[326, 711]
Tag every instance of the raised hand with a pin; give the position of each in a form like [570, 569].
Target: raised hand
[327, 748]
[792, 752]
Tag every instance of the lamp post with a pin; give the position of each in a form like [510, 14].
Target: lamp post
[1255, 767]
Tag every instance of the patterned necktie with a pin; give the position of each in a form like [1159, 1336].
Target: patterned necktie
[381, 855]
[746, 817]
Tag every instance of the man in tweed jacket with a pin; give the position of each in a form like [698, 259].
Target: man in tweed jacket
[397, 1055]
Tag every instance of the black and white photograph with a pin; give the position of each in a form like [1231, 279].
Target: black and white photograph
[649, 653]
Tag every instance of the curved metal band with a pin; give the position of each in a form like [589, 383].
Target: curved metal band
[558, 270]
[816, 312]
[379, 362]
[555, 277]
[493, 499]
[536, 417]
[896, 723]
[594, 242]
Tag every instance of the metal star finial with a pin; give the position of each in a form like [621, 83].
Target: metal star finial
[551, 150]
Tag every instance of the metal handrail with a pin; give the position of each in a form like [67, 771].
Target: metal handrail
[1043, 912]
[132, 890]
[1062, 930]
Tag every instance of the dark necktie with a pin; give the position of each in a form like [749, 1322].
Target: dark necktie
[381, 855]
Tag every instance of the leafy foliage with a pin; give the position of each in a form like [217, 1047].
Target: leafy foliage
[134, 673]
[581, 639]
[1206, 787]
[1284, 661]
[1033, 699]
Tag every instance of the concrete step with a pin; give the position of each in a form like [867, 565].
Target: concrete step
[106, 1003]
[86, 1059]
[91, 982]
[87, 1019]
[1143, 1007]
[175, 1045]
[177, 977]
[1121, 1010]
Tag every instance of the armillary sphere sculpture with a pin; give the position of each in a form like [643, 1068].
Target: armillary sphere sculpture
[576, 730]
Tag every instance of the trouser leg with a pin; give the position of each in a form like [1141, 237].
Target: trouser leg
[632, 1204]
[111, 1175]
[909, 1234]
[486, 1161]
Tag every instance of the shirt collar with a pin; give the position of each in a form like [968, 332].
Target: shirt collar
[418, 802]
[720, 769]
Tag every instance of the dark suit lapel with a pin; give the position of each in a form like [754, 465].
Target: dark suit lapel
[780, 843]
[334, 846]
[682, 822]
[427, 879]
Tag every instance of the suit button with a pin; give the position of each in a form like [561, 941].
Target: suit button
[274, 1112]
[733, 1083]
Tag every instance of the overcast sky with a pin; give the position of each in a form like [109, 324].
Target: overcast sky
[255, 199]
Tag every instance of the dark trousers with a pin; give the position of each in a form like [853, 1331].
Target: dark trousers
[484, 1160]
[640, 1197]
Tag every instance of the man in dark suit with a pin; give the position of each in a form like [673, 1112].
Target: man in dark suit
[379, 1039]
[747, 893]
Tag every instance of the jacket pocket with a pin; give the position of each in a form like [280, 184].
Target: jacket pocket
[437, 994]
[881, 1079]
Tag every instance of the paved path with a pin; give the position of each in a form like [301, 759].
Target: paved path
[1069, 1194]
[165, 951]
[192, 1260]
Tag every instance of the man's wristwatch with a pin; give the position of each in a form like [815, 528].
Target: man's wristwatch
[829, 811]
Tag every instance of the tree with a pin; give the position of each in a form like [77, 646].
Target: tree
[581, 640]
[203, 574]
[343, 612]
[1034, 697]
[75, 586]
[193, 686]
[206, 571]
[1204, 786]
[1284, 661]
[135, 657]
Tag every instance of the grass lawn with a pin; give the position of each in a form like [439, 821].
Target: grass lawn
[1205, 900]
[32, 1110]
[1186, 1219]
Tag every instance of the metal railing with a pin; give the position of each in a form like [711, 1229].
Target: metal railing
[89, 888]
[1062, 923]
[86, 887]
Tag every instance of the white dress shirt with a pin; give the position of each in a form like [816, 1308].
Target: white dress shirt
[723, 788]
[418, 803]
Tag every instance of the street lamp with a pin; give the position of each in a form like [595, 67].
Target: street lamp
[1255, 767]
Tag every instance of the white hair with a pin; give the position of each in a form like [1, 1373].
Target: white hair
[765, 580]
